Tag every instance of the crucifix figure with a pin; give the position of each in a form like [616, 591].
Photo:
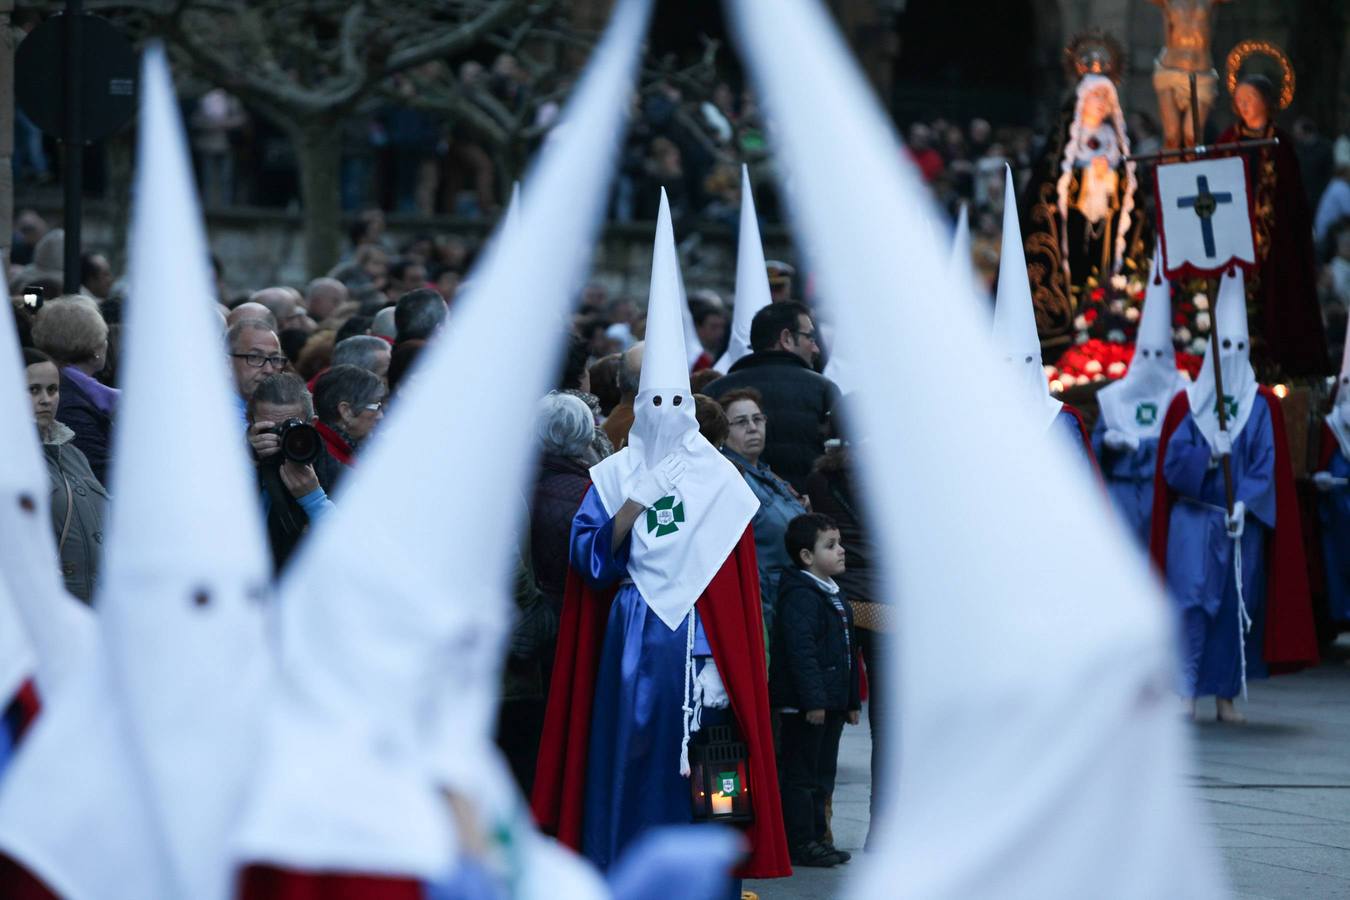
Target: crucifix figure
[1188, 25]
[1204, 202]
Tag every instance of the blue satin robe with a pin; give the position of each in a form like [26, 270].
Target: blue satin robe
[633, 779]
[1129, 480]
[1333, 507]
[1200, 575]
[1067, 424]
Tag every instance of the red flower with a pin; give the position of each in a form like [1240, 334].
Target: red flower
[1098, 294]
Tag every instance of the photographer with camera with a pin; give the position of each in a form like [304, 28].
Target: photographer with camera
[295, 472]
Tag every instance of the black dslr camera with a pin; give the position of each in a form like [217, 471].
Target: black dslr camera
[300, 442]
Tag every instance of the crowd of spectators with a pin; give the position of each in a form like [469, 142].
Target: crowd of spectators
[316, 367]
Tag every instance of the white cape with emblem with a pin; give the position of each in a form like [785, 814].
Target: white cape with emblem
[679, 543]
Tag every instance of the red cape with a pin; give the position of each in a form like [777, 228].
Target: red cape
[735, 630]
[268, 883]
[1291, 640]
[17, 883]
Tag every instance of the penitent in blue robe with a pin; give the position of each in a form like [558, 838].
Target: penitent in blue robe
[1333, 507]
[1129, 480]
[1200, 571]
[633, 779]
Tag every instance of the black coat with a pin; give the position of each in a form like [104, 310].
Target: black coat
[798, 401]
[812, 666]
[287, 521]
[558, 492]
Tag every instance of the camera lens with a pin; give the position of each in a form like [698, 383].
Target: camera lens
[300, 442]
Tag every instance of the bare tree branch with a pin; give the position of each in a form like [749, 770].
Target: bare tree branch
[457, 40]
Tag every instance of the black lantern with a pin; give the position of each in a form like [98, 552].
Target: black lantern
[718, 777]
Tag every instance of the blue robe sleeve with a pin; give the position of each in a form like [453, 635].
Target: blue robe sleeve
[591, 552]
[1254, 466]
[1188, 460]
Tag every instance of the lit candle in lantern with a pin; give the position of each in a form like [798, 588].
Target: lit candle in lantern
[721, 804]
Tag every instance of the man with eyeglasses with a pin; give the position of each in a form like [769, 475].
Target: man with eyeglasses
[255, 353]
[796, 398]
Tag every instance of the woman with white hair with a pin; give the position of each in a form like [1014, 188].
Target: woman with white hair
[565, 428]
[71, 330]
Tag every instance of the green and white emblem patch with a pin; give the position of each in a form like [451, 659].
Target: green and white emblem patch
[1146, 413]
[664, 516]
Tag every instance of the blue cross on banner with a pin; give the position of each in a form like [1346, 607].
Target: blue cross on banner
[1205, 203]
[1204, 222]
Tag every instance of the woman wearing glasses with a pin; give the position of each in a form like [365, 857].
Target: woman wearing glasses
[349, 401]
[779, 503]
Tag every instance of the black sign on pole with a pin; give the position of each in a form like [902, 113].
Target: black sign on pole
[78, 84]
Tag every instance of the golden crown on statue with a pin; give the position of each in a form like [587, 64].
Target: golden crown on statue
[1093, 52]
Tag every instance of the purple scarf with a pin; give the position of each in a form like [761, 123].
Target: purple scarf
[103, 397]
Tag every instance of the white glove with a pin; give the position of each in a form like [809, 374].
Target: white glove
[658, 481]
[1119, 441]
[1223, 444]
[1237, 520]
[1325, 481]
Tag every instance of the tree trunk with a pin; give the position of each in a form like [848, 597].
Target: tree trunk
[318, 150]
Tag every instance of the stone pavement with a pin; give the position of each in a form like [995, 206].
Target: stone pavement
[1276, 792]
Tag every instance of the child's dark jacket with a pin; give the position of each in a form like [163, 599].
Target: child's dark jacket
[811, 658]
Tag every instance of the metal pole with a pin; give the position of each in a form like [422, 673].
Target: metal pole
[73, 168]
[1204, 150]
[1213, 288]
[6, 130]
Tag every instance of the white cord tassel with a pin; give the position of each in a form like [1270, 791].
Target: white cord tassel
[688, 690]
[1244, 619]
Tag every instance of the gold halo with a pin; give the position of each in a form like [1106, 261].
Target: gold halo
[1238, 55]
[1093, 52]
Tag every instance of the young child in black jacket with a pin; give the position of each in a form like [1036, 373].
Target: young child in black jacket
[813, 683]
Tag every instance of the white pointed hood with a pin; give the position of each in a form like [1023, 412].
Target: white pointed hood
[1338, 420]
[1137, 403]
[18, 662]
[392, 655]
[167, 703]
[1041, 754]
[187, 569]
[1239, 380]
[1015, 318]
[56, 628]
[712, 505]
[752, 279]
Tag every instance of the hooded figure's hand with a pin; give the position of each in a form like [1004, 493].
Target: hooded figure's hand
[658, 481]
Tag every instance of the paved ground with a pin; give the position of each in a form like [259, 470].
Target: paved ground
[1276, 792]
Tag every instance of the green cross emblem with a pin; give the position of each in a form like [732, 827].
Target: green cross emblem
[1230, 406]
[731, 783]
[1146, 413]
[664, 516]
